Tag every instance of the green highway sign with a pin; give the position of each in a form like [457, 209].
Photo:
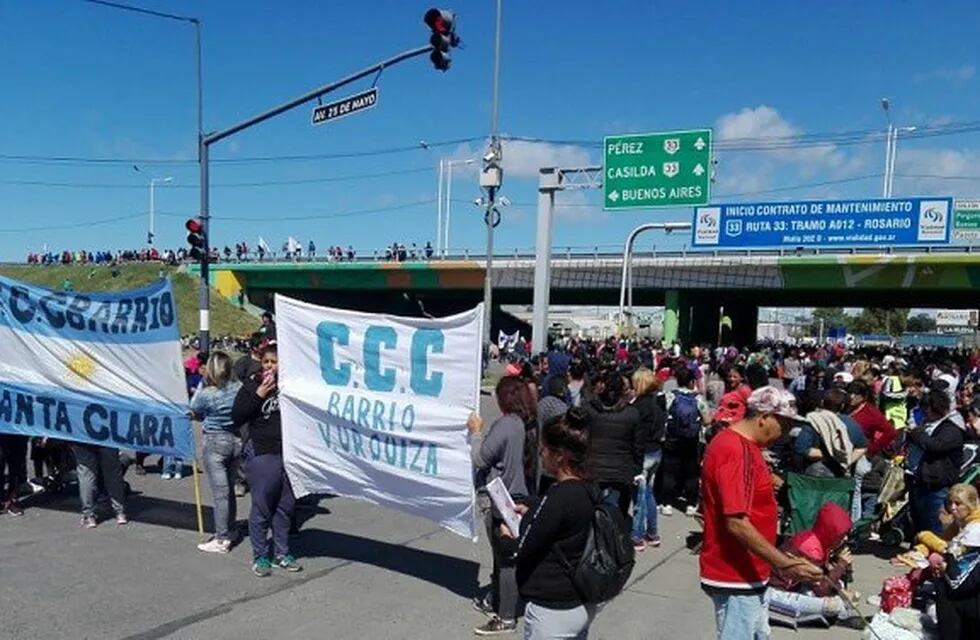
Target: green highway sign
[666, 169]
[966, 220]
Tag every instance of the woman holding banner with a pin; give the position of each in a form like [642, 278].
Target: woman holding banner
[257, 404]
[212, 406]
[498, 452]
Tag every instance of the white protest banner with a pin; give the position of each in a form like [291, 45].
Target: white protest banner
[96, 368]
[374, 407]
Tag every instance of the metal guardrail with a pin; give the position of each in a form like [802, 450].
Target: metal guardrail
[595, 252]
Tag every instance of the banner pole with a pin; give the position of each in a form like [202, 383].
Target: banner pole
[197, 501]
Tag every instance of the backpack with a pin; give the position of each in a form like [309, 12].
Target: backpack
[683, 417]
[608, 559]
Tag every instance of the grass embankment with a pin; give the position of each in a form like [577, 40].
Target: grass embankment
[226, 318]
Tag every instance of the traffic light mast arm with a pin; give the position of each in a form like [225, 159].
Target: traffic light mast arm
[216, 136]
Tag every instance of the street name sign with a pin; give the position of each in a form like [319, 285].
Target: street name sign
[966, 220]
[345, 106]
[666, 169]
[824, 223]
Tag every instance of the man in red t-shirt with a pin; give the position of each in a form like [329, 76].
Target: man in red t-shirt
[739, 507]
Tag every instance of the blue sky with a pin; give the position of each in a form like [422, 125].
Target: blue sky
[85, 81]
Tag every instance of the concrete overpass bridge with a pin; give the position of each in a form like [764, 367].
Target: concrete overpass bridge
[693, 285]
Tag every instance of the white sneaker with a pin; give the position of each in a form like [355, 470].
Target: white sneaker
[666, 510]
[215, 546]
[691, 511]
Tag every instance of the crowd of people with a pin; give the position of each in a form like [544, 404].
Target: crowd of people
[645, 432]
[242, 252]
[720, 435]
[107, 258]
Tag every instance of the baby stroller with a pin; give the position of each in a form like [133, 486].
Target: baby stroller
[892, 520]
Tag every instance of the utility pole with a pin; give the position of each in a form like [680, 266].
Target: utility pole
[491, 179]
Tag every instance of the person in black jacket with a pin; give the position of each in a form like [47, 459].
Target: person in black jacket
[617, 441]
[257, 404]
[651, 407]
[934, 458]
[559, 521]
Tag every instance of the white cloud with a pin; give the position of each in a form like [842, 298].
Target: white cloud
[576, 206]
[961, 73]
[773, 160]
[524, 159]
[937, 171]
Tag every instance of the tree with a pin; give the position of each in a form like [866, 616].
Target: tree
[831, 317]
[921, 323]
[874, 320]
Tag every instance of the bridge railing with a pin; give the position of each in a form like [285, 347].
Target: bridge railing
[573, 252]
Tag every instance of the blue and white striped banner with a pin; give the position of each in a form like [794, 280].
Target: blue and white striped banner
[94, 368]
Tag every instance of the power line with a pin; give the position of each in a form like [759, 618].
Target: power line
[319, 216]
[77, 225]
[935, 176]
[764, 143]
[795, 187]
[149, 12]
[344, 155]
[265, 183]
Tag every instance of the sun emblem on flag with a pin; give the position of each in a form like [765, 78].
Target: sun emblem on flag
[81, 365]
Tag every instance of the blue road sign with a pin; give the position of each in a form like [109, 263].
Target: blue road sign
[824, 223]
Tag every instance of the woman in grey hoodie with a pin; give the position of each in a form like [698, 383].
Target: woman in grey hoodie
[498, 452]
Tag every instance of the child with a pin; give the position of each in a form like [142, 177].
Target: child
[822, 545]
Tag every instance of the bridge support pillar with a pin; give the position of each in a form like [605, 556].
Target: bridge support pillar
[672, 316]
[745, 323]
[548, 183]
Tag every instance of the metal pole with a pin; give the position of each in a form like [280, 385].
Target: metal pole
[492, 191]
[449, 201]
[891, 171]
[628, 256]
[547, 184]
[205, 290]
[888, 158]
[149, 235]
[216, 136]
[439, 244]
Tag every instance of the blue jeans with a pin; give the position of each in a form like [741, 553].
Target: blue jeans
[171, 465]
[645, 504]
[272, 505]
[742, 617]
[925, 508]
[861, 468]
[220, 463]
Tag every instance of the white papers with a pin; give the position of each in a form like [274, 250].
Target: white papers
[505, 505]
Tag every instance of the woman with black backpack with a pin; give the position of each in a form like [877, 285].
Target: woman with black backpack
[553, 536]
[616, 440]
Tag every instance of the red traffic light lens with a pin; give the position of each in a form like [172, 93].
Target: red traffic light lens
[194, 225]
[437, 21]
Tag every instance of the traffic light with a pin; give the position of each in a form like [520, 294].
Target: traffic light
[443, 26]
[195, 238]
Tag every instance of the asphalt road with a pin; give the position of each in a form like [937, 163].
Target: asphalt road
[370, 573]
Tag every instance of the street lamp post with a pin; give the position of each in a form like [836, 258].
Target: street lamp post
[153, 183]
[891, 150]
[885, 106]
[448, 208]
[891, 173]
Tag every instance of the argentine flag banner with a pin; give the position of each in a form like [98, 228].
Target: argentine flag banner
[94, 368]
[374, 407]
